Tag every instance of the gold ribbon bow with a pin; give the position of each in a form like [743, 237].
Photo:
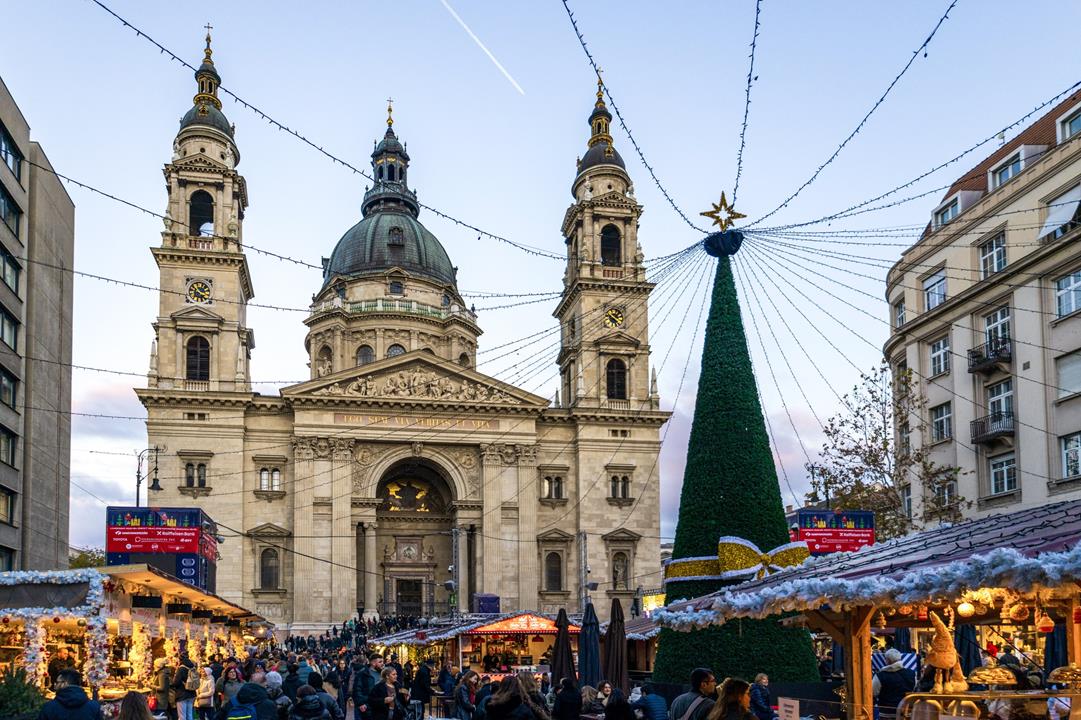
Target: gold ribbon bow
[737, 559]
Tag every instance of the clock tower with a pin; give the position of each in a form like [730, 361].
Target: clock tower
[202, 342]
[604, 355]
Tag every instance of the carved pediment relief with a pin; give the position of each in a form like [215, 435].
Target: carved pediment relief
[269, 530]
[200, 162]
[419, 382]
[196, 318]
[617, 338]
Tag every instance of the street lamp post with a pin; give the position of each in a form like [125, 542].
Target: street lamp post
[140, 457]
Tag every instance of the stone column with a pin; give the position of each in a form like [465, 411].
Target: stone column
[343, 544]
[527, 527]
[371, 573]
[303, 527]
[491, 569]
[463, 569]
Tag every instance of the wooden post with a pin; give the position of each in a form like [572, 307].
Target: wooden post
[1073, 633]
[857, 644]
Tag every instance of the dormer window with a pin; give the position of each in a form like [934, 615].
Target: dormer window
[1001, 174]
[396, 288]
[395, 237]
[952, 210]
[1072, 125]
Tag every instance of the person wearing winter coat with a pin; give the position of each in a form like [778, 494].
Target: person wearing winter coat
[384, 701]
[277, 695]
[734, 702]
[591, 704]
[163, 678]
[71, 702]
[889, 685]
[339, 678]
[303, 670]
[363, 686]
[204, 696]
[335, 710]
[761, 705]
[617, 707]
[568, 704]
[512, 702]
[421, 688]
[228, 686]
[465, 696]
[254, 695]
[291, 682]
[308, 705]
[651, 704]
[185, 699]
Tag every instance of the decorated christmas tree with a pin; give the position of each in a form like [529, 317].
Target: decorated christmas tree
[730, 490]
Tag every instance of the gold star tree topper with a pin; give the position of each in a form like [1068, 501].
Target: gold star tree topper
[723, 214]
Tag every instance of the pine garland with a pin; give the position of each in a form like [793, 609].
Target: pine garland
[729, 488]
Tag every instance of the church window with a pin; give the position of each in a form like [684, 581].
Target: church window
[611, 246]
[268, 569]
[264, 479]
[553, 572]
[198, 366]
[553, 487]
[617, 379]
[390, 172]
[446, 300]
[201, 214]
[625, 487]
[200, 474]
[189, 475]
[379, 172]
[365, 355]
[396, 288]
[620, 566]
[463, 360]
[395, 350]
[411, 495]
[270, 479]
[395, 237]
[620, 487]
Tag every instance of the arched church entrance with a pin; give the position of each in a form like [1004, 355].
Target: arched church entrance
[414, 520]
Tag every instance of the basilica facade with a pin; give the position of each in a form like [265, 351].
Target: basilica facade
[398, 479]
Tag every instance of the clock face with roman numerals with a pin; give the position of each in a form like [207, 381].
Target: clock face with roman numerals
[613, 317]
[199, 291]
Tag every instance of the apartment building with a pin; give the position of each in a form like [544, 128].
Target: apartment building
[37, 238]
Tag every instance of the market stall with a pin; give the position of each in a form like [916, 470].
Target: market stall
[1008, 574]
[111, 623]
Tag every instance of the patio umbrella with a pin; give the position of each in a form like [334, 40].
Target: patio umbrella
[615, 650]
[968, 647]
[1054, 654]
[562, 657]
[902, 639]
[589, 649]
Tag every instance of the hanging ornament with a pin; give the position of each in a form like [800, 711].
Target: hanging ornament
[921, 612]
[1019, 613]
[966, 609]
[905, 609]
[7, 620]
[881, 620]
[1045, 623]
[56, 620]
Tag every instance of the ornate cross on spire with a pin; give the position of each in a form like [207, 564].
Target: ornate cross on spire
[600, 86]
[390, 112]
[208, 51]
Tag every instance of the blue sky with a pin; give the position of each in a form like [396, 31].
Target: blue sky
[105, 106]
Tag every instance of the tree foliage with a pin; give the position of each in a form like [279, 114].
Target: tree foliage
[86, 558]
[18, 696]
[869, 460]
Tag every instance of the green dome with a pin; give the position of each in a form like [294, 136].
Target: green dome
[368, 248]
[207, 114]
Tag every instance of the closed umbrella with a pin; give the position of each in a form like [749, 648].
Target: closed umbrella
[615, 650]
[562, 657]
[968, 648]
[589, 649]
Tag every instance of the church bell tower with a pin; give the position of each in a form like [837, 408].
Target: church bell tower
[202, 342]
[604, 355]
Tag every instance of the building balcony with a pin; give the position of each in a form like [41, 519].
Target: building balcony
[992, 427]
[393, 305]
[197, 385]
[992, 354]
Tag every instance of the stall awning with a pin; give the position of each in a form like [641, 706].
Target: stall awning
[164, 584]
[1020, 550]
[524, 624]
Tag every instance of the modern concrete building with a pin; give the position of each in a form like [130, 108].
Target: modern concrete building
[986, 311]
[398, 479]
[37, 243]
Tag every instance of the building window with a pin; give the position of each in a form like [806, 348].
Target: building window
[948, 213]
[10, 270]
[464, 360]
[1000, 399]
[997, 325]
[10, 154]
[1071, 125]
[395, 350]
[7, 560]
[620, 571]
[1063, 215]
[906, 500]
[9, 211]
[9, 388]
[395, 236]
[993, 256]
[8, 443]
[270, 479]
[1071, 455]
[940, 356]
[619, 487]
[1068, 369]
[7, 506]
[200, 475]
[365, 355]
[198, 366]
[195, 475]
[396, 288]
[553, 487]
[617, 379]
[946, 493]
[201, 214]
[1008, 169]
[268, 569]
[1068, 293]
[899, 313]
[1003, 473]
[553, 572]
[904, 439]
[189, 475]
[941, 422]
[611, 250]
[934, 290]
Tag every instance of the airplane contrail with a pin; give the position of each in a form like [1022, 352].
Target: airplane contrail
[481, 46]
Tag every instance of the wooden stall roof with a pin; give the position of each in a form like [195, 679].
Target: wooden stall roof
[637, 628]
[165, 584]
[478, 624]
[1035, 546]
